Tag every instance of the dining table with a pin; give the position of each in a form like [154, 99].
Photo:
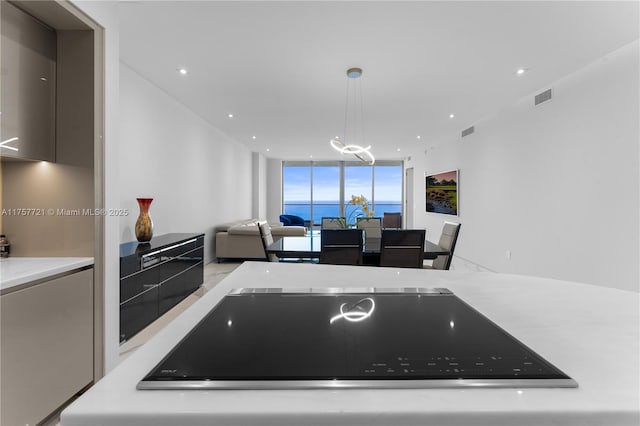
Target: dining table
[310, 245]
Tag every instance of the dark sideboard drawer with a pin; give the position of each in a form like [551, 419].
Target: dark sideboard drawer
[179, 286]
[195, 278]
[171, 292]
[180, 262]
[138, 313]
[135, 284]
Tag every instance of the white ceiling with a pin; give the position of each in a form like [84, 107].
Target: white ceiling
[279, 67]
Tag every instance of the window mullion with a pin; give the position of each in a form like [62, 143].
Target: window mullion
[311, 191]
[342, 201]
[373, 193]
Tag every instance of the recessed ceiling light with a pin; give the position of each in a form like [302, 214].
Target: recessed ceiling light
[452, 115]
[229, 115]
[253, 137]
[418, 137]
[521, 71]
[398, 149]
[183, 71]
[311, 156]
[268, 150]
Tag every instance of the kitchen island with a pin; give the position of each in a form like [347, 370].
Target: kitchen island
[589, 332]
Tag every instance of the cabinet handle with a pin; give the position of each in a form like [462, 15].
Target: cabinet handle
[149, 285]
[153, 253]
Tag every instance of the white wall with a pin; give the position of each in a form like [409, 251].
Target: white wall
[556, 184]
[197, 176]
[259, 185]
[105, 14]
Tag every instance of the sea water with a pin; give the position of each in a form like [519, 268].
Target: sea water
[328, 209]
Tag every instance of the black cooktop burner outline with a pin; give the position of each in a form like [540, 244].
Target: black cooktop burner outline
[353, 307]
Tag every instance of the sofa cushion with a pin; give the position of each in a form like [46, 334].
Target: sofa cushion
[289, 231]
[250, 228]
[244, 229]
[224, 227]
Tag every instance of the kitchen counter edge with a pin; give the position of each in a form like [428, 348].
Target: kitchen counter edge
[17, 273]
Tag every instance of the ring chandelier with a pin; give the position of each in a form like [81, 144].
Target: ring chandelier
[356, 150]
[361, 152]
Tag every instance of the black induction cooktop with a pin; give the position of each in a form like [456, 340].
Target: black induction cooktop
[394, 338]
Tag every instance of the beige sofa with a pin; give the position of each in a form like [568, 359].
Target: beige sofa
[241, 239]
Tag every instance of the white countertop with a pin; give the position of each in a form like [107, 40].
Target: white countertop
[591, 333]
[16, 271]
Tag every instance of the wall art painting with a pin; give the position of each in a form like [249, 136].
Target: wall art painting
[442, 193]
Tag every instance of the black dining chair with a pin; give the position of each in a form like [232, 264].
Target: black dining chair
[392, 220]
[448, 239]
[341, 246]
[402, 248]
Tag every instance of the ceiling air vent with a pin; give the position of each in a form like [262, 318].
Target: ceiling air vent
[543, 97]
[467, 132]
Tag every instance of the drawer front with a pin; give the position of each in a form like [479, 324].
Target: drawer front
[180, 263]
[179, 249]
[171, 293]
[129, 265]
[187, 278]
[138, 283]
[195, 278]
[137, 313]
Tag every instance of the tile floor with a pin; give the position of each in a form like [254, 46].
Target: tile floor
[213, 274]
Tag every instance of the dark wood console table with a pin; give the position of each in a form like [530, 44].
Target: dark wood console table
[156, 276]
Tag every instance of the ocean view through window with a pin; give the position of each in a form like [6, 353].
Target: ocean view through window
[313, 190]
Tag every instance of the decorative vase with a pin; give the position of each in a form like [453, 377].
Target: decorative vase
[144, 224]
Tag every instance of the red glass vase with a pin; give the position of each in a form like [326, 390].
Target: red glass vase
[144, 224]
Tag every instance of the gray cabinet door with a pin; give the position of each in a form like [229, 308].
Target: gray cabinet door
[46, 347]
[28, 86]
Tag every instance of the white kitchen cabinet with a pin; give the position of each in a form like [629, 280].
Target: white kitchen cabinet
[46, 346]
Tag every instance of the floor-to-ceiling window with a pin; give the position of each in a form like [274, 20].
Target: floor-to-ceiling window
[325, 190]
[314, 190]
[296, 189]
[387, 183]
[357, 181]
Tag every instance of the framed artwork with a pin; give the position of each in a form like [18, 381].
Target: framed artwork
[442, 192]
